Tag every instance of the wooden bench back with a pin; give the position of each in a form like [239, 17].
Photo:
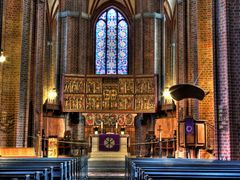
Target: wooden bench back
[17, 152]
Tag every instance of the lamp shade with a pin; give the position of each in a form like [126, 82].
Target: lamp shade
[183, 91]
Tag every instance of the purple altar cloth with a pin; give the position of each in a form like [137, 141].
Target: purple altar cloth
[109, 142]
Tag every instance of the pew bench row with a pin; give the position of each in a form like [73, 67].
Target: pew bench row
[150, 169]
[44, 168]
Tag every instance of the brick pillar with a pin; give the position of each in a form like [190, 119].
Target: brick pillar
[23, 121]
[193, 71]
[195, 59]
[38, 79]
[205, 66]
[68, 36]
[182, 53]
[234, 76]
[227, 78]
[138, 39]
[10, 71]
[148, 40]
[148, 37]
[1, 22]
[85, 65]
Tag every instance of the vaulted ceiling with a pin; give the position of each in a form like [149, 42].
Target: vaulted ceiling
[130, 4]
[169, 6]
[94, 4]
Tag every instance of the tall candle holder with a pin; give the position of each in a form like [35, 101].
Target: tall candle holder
[122, 130]
[116, 128]
[101, 127]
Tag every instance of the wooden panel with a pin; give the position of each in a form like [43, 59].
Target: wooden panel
[109, 119]
[167, 126]
[55, 127]
[182, 134]
[190, 139]
[94, 93]
[19, 152]
[200, 133]
[52, 147]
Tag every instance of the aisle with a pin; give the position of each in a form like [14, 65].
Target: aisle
[106, 169]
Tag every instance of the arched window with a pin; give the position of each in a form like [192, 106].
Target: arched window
[111, 43]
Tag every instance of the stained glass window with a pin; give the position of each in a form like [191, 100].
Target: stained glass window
[111, 43]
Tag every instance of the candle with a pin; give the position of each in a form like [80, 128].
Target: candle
[116, 125]
[101, 125]
[160, 135]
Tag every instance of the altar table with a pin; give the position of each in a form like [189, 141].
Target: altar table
[109, 145]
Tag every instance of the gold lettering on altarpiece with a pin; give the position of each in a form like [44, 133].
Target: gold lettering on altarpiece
[126, 86]
[94, 86]
[144, 86]
[74, 85]
[94, 102]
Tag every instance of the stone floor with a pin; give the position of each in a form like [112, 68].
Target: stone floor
[106, 169]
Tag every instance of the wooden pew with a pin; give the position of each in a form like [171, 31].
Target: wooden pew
[188, 174]
[62, 168]
[17, 152]
[27, 173]
[59, 168]
[19, 176]
[147, 168]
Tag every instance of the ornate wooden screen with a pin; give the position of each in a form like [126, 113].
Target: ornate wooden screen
[94, 93]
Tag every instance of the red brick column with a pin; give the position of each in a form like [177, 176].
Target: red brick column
[25, 81]
[12, 44]
[205, 66]
[227, 77]
[39, 87]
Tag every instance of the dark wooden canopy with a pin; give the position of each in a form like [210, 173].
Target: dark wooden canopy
[183, 91]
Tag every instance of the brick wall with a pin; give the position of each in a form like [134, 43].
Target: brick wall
[1, 20]
[205, 65]
[193, 71]
[221, 80]
[181, 53]
[84, 42]
[12, 39]
[227, 61]
[27, 53]
[138, 44]
[40, 88]
[195, 59]
[22, 125]
[148, 45]
[168, 53]
[234, 76]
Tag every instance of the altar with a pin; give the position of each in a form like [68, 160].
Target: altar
[109, 146]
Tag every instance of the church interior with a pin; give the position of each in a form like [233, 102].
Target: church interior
[111, 80]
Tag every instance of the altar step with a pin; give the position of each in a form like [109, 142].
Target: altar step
[107, 156]
[106, 169]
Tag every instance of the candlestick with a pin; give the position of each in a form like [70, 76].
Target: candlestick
[160, 135]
